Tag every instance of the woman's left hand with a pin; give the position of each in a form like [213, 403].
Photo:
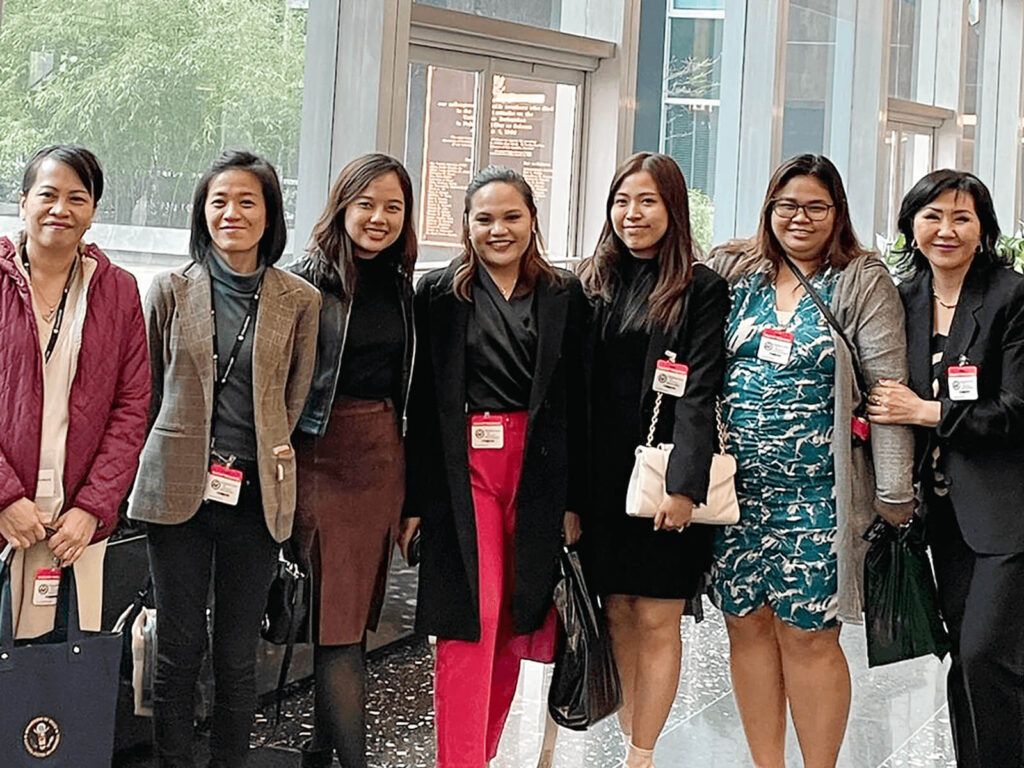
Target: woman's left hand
[891, 402]
[571, 528]
[73, 532]
[895, 514]
[674, 514]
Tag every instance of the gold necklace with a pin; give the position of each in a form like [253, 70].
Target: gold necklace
[943, 304]
[51, 309]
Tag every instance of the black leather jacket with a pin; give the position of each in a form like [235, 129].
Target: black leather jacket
[334, 315]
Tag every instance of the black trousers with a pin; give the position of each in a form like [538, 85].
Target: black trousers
[982, 599]
[231, 547]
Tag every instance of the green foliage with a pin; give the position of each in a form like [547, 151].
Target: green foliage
[1010, 246]
[702, 217]
[156, 88]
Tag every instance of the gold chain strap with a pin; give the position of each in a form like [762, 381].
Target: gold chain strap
[657, 404]
[723, 435]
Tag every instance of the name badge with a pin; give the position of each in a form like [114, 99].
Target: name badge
[46, 586]
[487, 432]
[963, 382]
[670, 378]
[776, 346]
[46, 484]
[223, 484]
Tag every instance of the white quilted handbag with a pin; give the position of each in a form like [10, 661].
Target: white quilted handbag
[646, 489]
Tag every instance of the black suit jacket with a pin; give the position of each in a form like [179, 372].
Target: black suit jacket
[982, 441]
[438, 488]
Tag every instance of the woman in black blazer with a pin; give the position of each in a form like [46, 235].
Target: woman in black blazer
[965, 398]
[650, 298]
[495, 459]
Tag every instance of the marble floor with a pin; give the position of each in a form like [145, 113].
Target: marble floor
[898, 717]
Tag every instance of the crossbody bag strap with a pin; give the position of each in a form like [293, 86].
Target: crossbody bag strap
[823, 307]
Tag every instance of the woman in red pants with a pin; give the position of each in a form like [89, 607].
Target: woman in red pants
[493, 449]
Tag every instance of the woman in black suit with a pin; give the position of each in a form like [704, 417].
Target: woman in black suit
[499, 358]
[965, 398]
[650, 298]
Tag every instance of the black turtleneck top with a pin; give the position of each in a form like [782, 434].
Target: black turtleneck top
[371, 362]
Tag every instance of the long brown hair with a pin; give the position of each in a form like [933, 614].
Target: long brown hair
[763, 251]
[532, 264]
[330, 257]
[601, 273]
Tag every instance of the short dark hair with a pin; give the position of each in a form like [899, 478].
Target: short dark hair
[925, 191]
[79, 159]
[272, 243]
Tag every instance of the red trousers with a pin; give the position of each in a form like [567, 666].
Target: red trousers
[474, 683]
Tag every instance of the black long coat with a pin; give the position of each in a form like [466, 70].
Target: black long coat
[982, 441]
[438, 486]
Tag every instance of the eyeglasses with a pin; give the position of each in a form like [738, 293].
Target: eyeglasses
[786, 209]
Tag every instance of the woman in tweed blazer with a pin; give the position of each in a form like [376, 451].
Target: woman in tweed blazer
[232, 342]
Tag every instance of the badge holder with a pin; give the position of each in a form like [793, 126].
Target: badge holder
[487, 432]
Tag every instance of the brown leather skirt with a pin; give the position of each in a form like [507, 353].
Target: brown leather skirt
[351, 485]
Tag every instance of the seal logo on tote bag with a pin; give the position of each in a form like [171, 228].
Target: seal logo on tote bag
[42, 737]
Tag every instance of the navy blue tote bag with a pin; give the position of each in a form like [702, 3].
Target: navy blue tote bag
[57, 699]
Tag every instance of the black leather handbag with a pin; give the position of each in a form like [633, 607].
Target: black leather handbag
[286, 616]
[58, 698]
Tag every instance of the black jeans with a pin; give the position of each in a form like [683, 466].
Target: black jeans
[980, 598]
[231, 546]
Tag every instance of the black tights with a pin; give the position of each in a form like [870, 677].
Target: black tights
[340, 701]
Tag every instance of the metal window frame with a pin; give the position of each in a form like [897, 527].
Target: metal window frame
[468, 33]
[670, 14]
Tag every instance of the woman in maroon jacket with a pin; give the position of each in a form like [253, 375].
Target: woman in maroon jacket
[74, 388]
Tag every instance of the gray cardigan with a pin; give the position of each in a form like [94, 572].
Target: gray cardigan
[867, 305]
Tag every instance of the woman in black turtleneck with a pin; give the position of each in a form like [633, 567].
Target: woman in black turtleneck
[651, 303]
[499, 359]
[349, 443]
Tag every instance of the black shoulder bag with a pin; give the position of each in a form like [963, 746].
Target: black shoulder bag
[860, 427]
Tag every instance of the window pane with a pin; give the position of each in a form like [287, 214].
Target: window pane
[591, 18]
[810, 71]
[532, 131]
[698, 5]
[690, 135]
[694, 67]
[157, 90]
[972, 95]
[693, 76]
[904, 34]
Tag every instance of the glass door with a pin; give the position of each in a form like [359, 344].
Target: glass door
[466, 112]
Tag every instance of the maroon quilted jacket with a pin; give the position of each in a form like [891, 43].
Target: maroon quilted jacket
[109, 396]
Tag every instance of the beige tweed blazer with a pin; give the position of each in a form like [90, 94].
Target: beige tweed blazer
[172, 470]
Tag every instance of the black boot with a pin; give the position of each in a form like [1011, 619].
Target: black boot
[316, 757]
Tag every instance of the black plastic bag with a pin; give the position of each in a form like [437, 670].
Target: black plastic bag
[901, 605]
[585, 686]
